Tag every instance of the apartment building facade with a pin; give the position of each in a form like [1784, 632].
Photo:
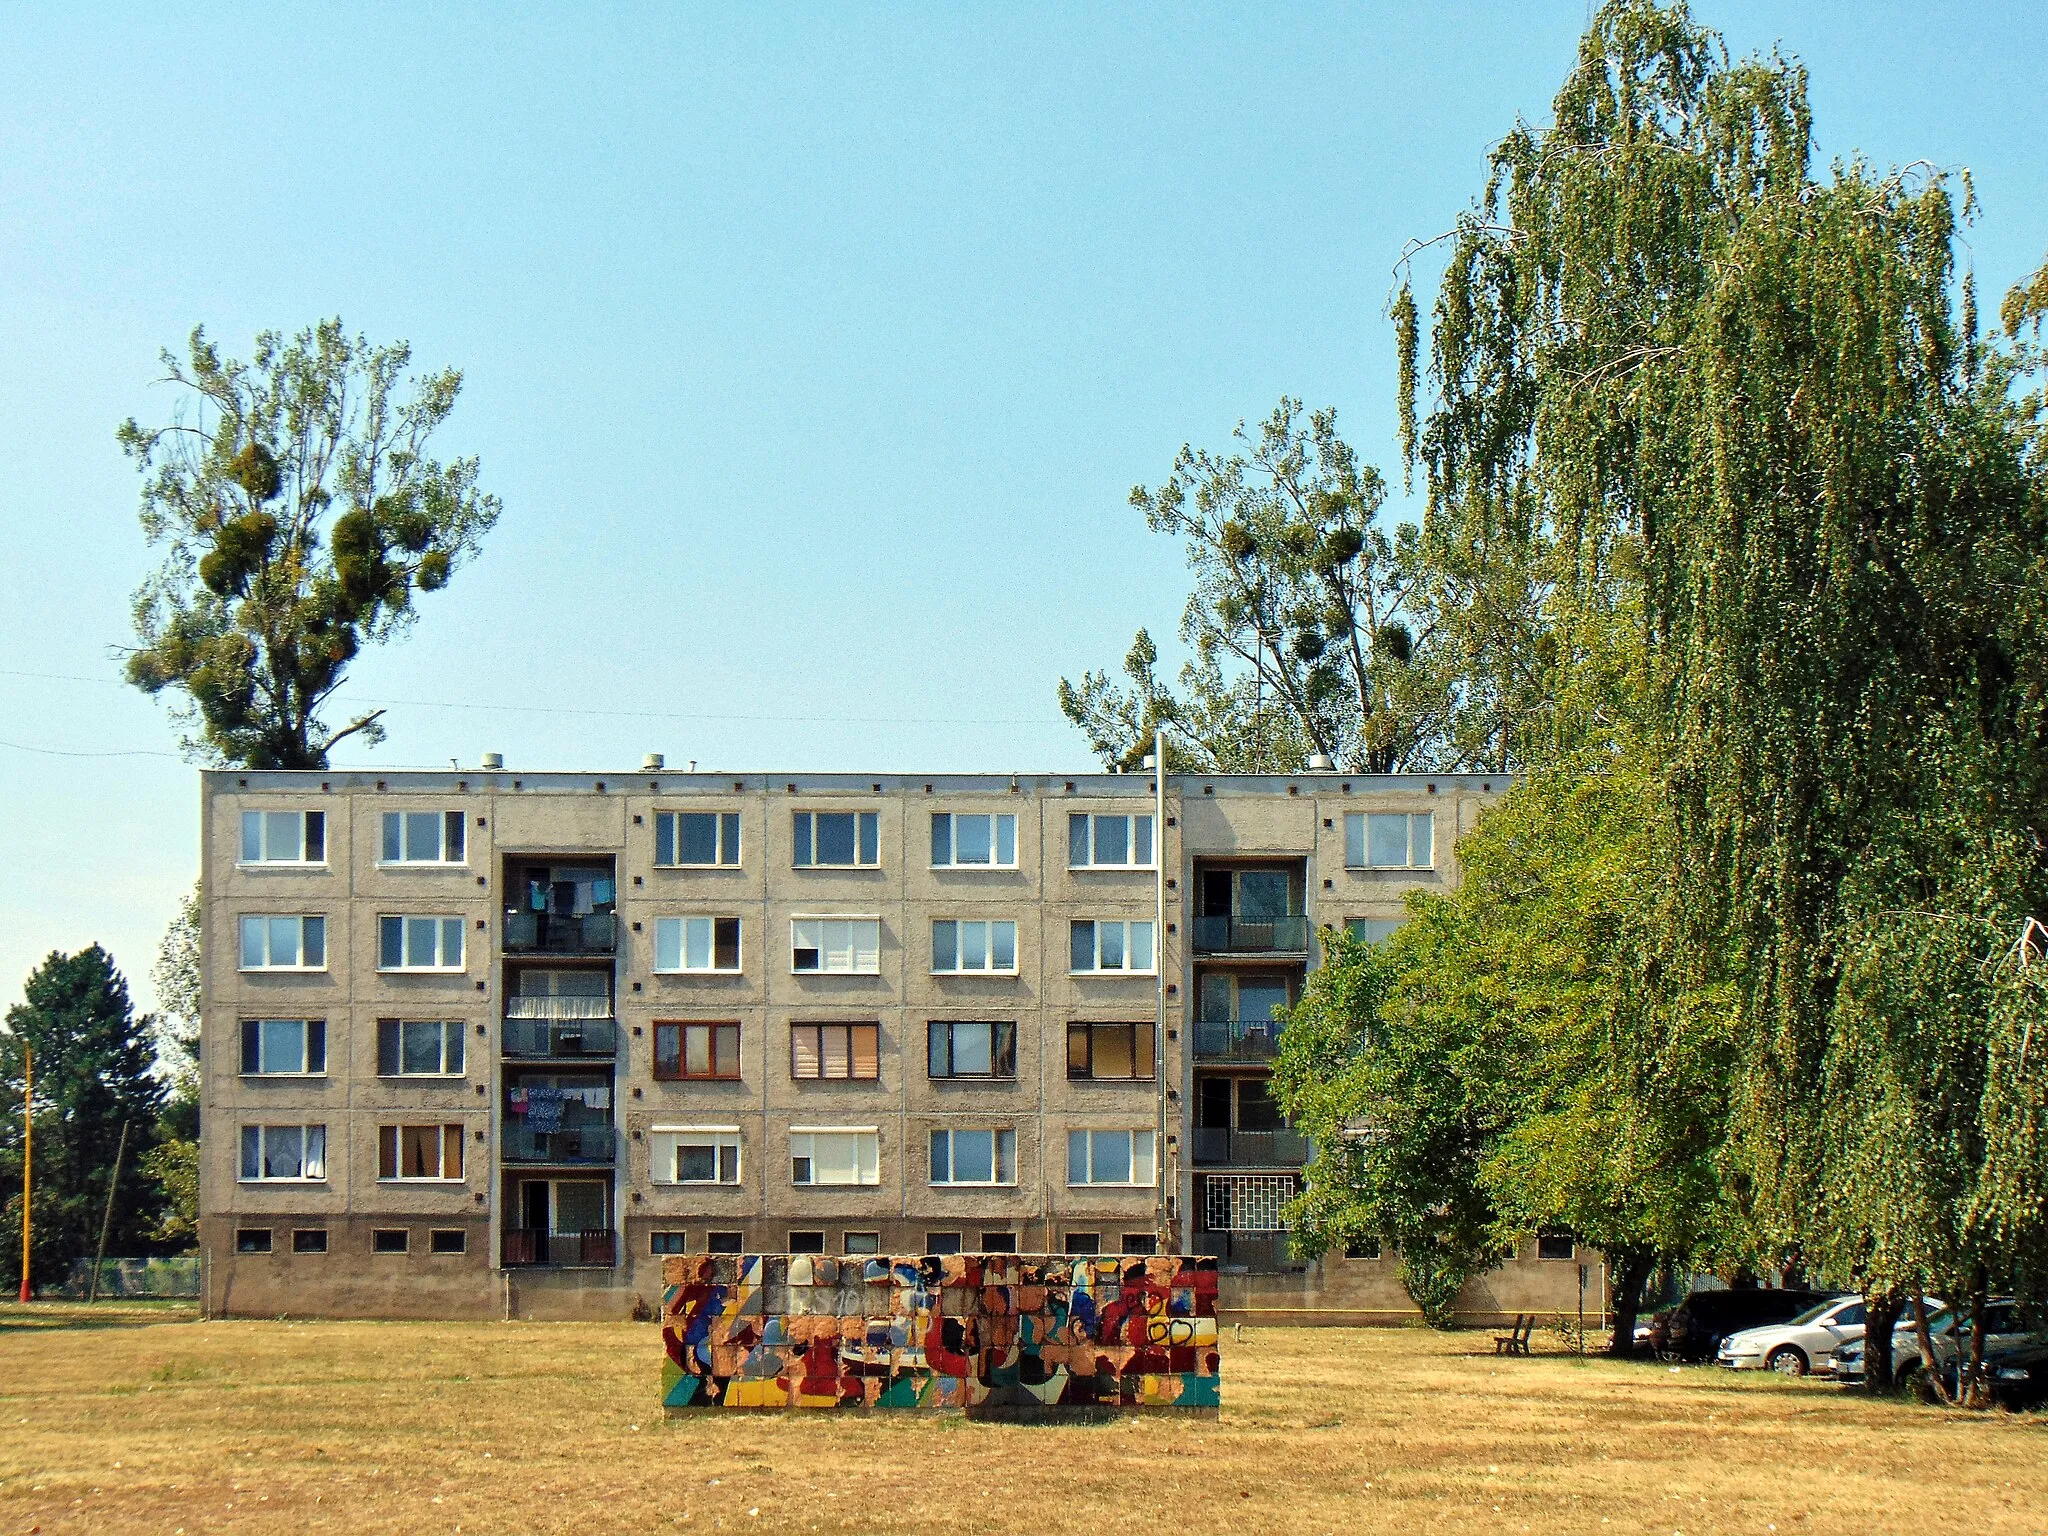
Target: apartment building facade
[494, 1043]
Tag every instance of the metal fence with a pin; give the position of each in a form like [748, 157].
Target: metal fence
[176, 1278]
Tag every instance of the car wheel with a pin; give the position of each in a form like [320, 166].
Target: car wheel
[1787, 1360]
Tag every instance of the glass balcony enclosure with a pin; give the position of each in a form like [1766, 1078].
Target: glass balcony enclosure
[1251, 911]
[558, 1117]
[561, 909]
[1235, 1015]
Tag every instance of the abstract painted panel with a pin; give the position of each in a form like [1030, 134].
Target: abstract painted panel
[989, 1335]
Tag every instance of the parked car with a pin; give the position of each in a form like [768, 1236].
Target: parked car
[2015, 1356]
[1694, 1329]
[1805, 1343]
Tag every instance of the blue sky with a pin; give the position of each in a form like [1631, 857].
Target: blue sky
[813, 350]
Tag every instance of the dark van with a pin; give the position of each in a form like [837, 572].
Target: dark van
[1694, 1329]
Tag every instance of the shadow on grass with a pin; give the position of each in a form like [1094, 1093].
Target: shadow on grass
[56, 1316]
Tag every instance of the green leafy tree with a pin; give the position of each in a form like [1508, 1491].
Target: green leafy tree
[94, 1072]
[173, 1164]
[300, 513]
[1309, 623]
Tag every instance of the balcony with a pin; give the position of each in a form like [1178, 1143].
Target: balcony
[553, 933]
[1250, 1149]
[1251, 935]
[589, 1145]
[531, 1247]
[544, 1039]
[1236, 1039]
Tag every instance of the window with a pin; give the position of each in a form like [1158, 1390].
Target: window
[823, 1155]
[937, 1243]
[1372, 930]
[998, 1242]
[972, 1048]
[986, 840]
[419, 1048]
[985, 947]
[309, 1240]
[284, 1047]
[1362, 1248]
[1106, 946]
[390, 1240]
[696, 837]
[1556, 1245]
[860, 1242]
[697, 1050]
[284, 837]
[806, 1242]
[659, 1243]
[1109, 842]
[974, 1157]
[694, 1154]
[447, 1240]
[422, 837]
[1228, 996]
[1373, 840]
[1109, 1157]
[284, 943]
[842, 946]
[1140, 1242]
[1081, 1243]
[835, 1050]
[838, 839]
[419, 1152]
[696, 944]
[725, 1242]
[252, 1239]
[419, 943]
[284, 1152]
[1109, 1050]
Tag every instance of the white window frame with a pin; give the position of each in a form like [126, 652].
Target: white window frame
[404, 861]
[1131, 820]
[681, 927]
[1360, 928]
[719, 851]
[988, 946]
[444, 923]
[867, 1155]
[804, 840]
[312, 1163]
[267, 918]
[306, 1027]
[263, 821]
[1001, 1137]
[441, 1128]
[995, 820]
[825, 949]
[1358, 839]
[721, 1138]
[1150, 1162]
[1127, 925]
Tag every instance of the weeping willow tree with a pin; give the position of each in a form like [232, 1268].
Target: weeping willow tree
[1674, 373]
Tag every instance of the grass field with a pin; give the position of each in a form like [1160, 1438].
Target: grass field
[142, 1419]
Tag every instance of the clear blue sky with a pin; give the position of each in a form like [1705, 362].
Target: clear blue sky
[813, 350]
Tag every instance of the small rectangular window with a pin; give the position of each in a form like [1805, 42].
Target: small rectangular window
[835, 1051]
[860, 1242]
[252, 1239]
[693, 1157]
[998, 1242]
[972, 1048]
[843, 946]
[284, 1047]
[419, 943]
[1110, 1157]
[390, 1240]
[659, 1243]
[1081, 1244]
[685, 839]
[284, 837]
[725, 1242]
[448, 1240]
[1108, 842]
[986, 947]
[974, 1157]
[834, 1157]
[1135, 1243]
[1556, 1245]
[988, 841]
[281, 943]
[683, 1050]
[837, 839]
[309, 1240]
[1398, 840]
[806, 1242]
[284, 1153]
[941, 1243]
[1100, 945]
[696, 944]
[1116, 1051]
[1362, 1248]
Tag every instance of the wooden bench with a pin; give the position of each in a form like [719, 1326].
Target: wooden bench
[1516, 1340]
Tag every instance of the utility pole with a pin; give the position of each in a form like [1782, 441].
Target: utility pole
[113, 1180]
[1160, 1162]
[28, 1153]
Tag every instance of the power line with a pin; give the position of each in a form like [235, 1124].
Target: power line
[22, 746]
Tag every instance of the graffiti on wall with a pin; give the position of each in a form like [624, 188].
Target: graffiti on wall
[990, 1335]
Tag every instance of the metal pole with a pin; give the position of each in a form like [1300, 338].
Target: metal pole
[1159, 1158]
[28, 1154]
[107, 1219]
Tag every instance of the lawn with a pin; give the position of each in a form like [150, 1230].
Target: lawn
[131, 1418]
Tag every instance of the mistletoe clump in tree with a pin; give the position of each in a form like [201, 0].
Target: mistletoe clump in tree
[300, 513]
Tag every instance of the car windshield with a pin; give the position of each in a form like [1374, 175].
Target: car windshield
[1814, 1314]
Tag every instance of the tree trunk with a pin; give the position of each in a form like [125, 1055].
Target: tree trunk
[1970, 1385]
[1629, 1269]
[1882, 1311]
[1930, 1363]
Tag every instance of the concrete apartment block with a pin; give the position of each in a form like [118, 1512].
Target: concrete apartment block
[489, 1043]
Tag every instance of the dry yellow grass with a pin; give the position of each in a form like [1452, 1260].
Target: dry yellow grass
[153, 1422]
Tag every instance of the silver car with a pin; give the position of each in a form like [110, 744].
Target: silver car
[1805, 1344]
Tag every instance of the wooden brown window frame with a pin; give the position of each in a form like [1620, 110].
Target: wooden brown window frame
[723, 1050]
[853, 1057]
[1082, 1069]
[391, 1149]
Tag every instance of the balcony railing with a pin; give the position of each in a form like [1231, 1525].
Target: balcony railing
[553, 1038]
[558, 1008]
[1251, 935]
[1250, 1149]
[525, 1247]
[571, 1144]
[1236, 1039]
[554, 933]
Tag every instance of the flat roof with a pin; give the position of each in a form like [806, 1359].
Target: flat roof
[673, 782]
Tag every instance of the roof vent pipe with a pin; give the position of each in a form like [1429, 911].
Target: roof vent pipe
[494, 762]
[653, 763]
[1321, 762]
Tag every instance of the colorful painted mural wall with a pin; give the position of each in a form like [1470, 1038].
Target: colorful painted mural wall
[991, 1335]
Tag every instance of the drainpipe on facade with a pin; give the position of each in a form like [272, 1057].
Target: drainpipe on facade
[1159, 1157]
